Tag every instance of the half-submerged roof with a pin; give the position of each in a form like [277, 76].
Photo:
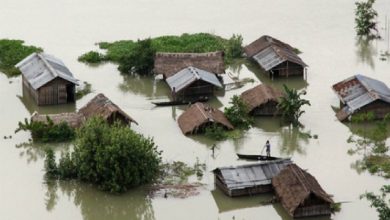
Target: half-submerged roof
[198, 115]
[270, 52]
[169, 64]
[358, 91]
[250, 175]
[73, 119]
[293, 186]
[260, 95]
[41, 68]
[101, 106]
[189, 75]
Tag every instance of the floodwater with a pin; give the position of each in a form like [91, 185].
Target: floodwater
[322, 29]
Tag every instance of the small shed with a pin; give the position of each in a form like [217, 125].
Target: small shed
[47, 79]
[101, 106]
[248, 179]
[300, 193]
[362, 94]
[275, 57]
[169, 64]
[262, 100]
[199, 116]
[192, 81]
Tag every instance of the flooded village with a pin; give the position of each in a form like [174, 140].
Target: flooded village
[193, 110]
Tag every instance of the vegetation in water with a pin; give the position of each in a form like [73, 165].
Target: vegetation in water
[216, 132]
[178, 172]
[381, 202]
[138, 56]
[11, 53]
[113, 157]
[84, 90]
[290, 105]
[47, 131]
[365, 19]
[237, 113]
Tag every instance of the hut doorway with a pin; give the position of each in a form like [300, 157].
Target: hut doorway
[70, 93]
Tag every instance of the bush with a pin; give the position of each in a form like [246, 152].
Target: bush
[140, 60]
[113, 157]
[237, 114]
[11, 53]
[380, 202]
[91, 57]
[290, 105]
[85, 90]
[365, 18]
[234, 47]
[216, 132]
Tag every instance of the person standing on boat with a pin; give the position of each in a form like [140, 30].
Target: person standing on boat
[268, 148]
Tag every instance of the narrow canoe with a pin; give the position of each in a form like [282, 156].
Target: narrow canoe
[256, 157]
[181, 102]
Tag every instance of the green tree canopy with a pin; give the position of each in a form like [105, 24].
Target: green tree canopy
[290, 105]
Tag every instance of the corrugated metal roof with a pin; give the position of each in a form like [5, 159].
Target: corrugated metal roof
[188, 75]
[268, 58]
[253, 174]
[41, 68]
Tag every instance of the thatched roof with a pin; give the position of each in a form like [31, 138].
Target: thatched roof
[198, 115]
[101, 106]
[262, 43]
[169, 64]
[293, 186]
[260, 95]
[73, 119]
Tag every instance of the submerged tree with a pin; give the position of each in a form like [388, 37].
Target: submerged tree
[290, 105]
[237, 113]
[365, 19]
[380, 202]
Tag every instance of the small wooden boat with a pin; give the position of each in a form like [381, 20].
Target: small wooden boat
[182, 102]
[256, 157]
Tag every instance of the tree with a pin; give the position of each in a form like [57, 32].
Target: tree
[237, 114]
[290, 105]
[379, 202]
[365, 17]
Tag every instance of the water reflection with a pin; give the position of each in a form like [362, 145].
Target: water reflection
[285, 216]
[365, 51]
[31, 106]
[148, 86]
[293, 140]
[32, 152]
[96, 205]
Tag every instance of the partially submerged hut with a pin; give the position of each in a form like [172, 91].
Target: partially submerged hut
[275, 57]
[73, 119]
[101, 106]
[362, 94]
[248, 179]
[169, 64]
[192, 81]
[47, 79]
[199, 116]
[262, 100]
[300, 193]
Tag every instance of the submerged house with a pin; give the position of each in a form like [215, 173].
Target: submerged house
[73, 119]
[262, 100]
[275, 57]
[192, 81]
[168, 64]
[199, 116]
[47, 79]
[248, 179]
[362, 94]
[300, 193]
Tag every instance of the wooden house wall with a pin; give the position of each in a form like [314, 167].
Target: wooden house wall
[379, 108]
[312, 210]
[288, 69]
[197, 88]
[267, 109]
[55, 92]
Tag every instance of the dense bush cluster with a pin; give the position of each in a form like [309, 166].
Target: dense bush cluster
[290, 105]
[365, 18]
[237, 113]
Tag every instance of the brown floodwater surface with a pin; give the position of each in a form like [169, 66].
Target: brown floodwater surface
[323, 30]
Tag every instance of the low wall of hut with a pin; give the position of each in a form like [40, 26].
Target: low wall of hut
[313, 210]
[379, 108]
[288, 69]
[268, 109]
[197, 89]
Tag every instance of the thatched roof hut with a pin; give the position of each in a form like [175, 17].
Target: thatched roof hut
[300, 193]
[73, 119]
[199, 116]
[262, 100]
[275, 56]
[169, 64]
[101, 106]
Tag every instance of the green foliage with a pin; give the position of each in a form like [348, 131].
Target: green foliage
[85, 90]
[91, 57]
[237, 113]
[137, 56]
[216, 132]
[50, 164]
[11, 53]
[380, 202]
[290, 105]
[335, 207]
[178, 172]
[113, 157]
[47, 132]
[365, 17]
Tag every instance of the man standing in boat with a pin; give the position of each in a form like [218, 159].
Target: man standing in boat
[268, 148]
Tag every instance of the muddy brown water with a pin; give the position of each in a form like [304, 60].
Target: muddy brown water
[323, 30]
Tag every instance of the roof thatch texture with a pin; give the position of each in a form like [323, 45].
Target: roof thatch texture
[198, 115]
[169, 64]
[101, 106]
[262, 43]
[293, 186]
[74, 120]
[260, 95]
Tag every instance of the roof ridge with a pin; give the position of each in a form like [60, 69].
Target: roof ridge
[54, 73]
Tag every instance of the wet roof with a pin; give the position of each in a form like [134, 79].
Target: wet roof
[41, 68]
[187, 76]
[252, 174]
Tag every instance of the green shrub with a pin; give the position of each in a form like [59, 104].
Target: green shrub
[87, 88]
[380, 202]
[216, 132]
[237, 113]
[140, 60]
[50, 164]
[234, 47]
[91, 57]
[290, 105]
[365, 18]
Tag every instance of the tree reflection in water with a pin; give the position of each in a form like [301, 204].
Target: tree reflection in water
[293, 140]
[365, 51]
